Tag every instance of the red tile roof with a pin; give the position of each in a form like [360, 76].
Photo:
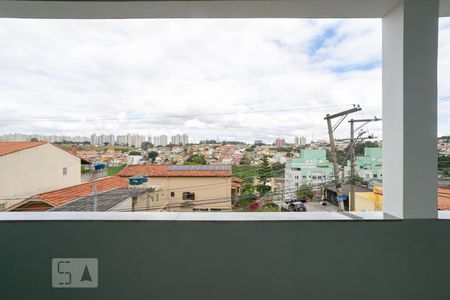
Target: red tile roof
[11, 147]
[61, 196]
[237, 182]
[162, 171]
[444, 198]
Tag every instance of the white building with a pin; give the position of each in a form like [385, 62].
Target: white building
[179, 139]
[163, 140]
[184, 139]
[103, 139]
[94, 140]
[134, 159]
[175, 139]
[29, 168]
[121, 140]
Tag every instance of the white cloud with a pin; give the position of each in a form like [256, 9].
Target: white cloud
[121, 76]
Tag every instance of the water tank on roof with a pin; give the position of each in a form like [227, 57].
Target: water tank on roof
[99, 166]
[136, 180]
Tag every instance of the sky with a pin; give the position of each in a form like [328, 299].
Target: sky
[220, 79]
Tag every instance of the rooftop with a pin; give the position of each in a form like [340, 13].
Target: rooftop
[176, 171]
[61, 196]
[105, 201]
[443, 198]
[11, 147]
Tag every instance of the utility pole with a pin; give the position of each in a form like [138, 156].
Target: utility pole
[331, 129]
[94, 193]
[352, 156]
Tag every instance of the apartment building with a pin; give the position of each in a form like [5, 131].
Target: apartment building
[369, 165]
[280, 142]
[311, 168]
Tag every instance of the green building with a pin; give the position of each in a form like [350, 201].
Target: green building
[368, 166]
[312, 168]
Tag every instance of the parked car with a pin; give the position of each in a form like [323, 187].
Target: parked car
[297, 206]
[295, 200]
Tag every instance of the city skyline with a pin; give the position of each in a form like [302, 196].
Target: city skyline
[124, 139]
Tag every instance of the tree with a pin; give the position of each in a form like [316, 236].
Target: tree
[341, 156]
[195, 160]
[152, 155]
[355, 179]
[34, 140]
[359, 148]
[304, 192]
[146, 145]
[264, 175]
[247, 195]
[244, 161]
[134, 153]
[278, 168]
[106, 144]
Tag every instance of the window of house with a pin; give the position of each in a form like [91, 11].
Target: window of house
[2, 206]
[188, 196]
[172, 194]
[64, 171]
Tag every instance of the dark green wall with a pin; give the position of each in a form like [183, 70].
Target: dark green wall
[232, 260]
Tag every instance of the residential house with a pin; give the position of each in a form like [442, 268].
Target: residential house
[120, 200]
[188, 188]
[236, 188]
[29, 168]
[48, 200]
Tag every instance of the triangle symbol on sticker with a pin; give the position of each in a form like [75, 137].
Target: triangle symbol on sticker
[86, 275]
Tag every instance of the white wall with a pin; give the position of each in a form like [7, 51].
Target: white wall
[410, 34]
[36, 170]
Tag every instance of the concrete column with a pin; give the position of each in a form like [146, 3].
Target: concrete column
[410, 41]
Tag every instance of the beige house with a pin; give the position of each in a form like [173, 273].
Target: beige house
[185, 188]
[29, 168]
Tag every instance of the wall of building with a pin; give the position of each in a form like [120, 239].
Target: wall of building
[312, 168]
[210, 192]
[232, 260]
[36, 170]
[368, 201]
[154, 201]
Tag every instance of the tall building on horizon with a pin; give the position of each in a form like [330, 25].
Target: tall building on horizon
[163, 140]
[300, 141]
[179, 139]
[280, 142]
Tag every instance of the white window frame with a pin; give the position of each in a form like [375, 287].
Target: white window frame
[410, 35]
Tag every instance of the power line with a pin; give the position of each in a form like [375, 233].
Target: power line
[181, 204]
[175, 116]
[169, 190]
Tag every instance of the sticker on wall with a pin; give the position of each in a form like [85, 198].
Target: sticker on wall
[75, 272]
